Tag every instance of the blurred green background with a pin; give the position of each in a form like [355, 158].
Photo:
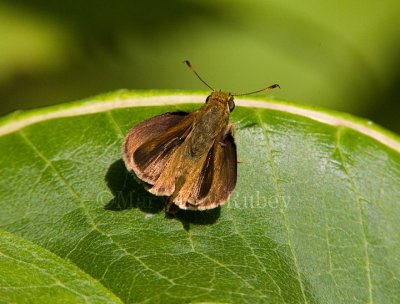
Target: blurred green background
[342, 55]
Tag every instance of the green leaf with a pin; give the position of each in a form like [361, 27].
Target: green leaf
[31, 274]
[314, 217]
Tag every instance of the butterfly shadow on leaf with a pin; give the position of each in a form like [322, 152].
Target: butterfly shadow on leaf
[129, 193]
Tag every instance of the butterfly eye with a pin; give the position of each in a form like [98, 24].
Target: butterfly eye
[231, 104]
[208, 98]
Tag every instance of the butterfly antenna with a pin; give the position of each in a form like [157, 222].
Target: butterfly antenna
[198, 76]
[258, 91]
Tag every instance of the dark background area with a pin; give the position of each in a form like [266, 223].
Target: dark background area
[342, 55]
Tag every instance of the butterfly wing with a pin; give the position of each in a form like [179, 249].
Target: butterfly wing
[150, 144]
[217, 178]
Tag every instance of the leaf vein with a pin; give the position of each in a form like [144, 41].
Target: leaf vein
[360, 214]
[234, 226]
[231, 271]
[279, 192]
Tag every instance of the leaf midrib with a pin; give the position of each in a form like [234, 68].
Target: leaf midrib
[12, 123]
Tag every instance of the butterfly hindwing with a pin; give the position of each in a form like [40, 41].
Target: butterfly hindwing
[217, 178]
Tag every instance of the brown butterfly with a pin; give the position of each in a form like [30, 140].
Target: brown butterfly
[190, 157]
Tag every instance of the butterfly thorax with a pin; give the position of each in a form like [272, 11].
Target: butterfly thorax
[212, 118]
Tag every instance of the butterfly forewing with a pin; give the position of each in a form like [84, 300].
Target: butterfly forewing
[150, 144]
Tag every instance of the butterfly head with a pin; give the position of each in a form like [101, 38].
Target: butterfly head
[222, 98]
